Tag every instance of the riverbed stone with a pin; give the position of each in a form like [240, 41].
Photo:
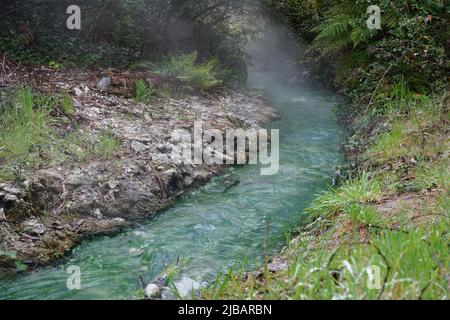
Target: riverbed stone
[2, 215]
[33, 227]
[103, 83]
[97, 214]
[152, 291]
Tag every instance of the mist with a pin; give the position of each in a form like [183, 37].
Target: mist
[274, 52]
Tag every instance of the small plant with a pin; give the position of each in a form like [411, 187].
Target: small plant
[166, 90]
[24, 125]
[12, 255]
[67, 105]
[356, 191]
[54, 65]
[389, 144]
[77, 145]
[364, 215]
[144, 93]
[107, 144]
[186, 69]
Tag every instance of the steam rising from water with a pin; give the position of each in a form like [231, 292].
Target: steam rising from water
[274, 53]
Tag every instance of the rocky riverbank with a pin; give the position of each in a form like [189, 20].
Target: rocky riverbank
[51, 208]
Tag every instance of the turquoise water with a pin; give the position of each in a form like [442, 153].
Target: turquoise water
[215, 226]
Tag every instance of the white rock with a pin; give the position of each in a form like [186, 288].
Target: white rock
[152, 291]
[12, 190]
[103, 83]
[138, 146]
[26, 185]
[2, 215]
[77, 92]
[76, 103]
[34, 227]
[119, 220]
[97, 214]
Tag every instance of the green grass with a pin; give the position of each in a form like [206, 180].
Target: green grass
[419, 135]
[28, 138]
[107, 144]
[355, 191]
[67, 105]
[24, 125]
[389, 145]
[363, 215]
[144, 93]
[432, 175]
[412, 265]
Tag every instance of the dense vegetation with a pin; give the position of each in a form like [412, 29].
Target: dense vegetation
[123, 33]
[411, 50]
[392, 216]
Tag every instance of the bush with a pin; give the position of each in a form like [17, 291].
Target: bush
[412, 48]
[144, 93]
[185, 68]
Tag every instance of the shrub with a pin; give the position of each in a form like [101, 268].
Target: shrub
[185, 68]
[144, 93]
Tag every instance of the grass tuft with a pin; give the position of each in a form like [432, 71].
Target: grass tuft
[107, 144]
[355, 191]
[144, 93]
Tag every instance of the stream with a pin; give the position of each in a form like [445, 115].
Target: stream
[215, 226]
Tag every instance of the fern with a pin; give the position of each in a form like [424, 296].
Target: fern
[344, 27]
[391, 19]
[345, 31]
[334, 33]
[349, 61]
[360, 35]
[334, 26]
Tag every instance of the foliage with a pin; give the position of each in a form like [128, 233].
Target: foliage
[185, 68]
[345, 272]
[24, 125]
[418, 131]
[144, 93]
[107, 144]
[412, 46]
[120, 32]
[12, 255]
[356, 191]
